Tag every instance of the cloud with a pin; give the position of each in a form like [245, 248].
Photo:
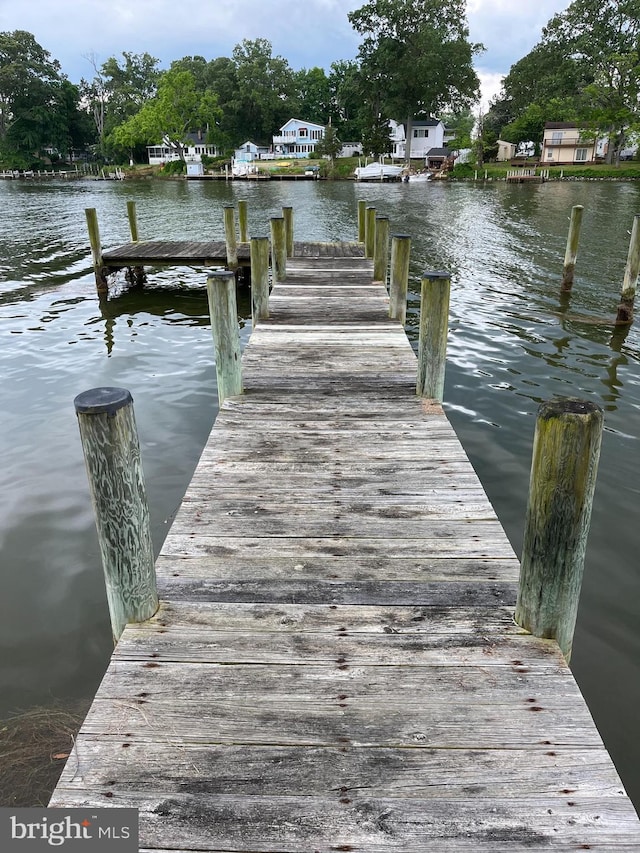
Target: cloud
[508, 29]
[313, 32]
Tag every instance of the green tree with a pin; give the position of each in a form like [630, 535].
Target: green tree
[461, 124]
[29, 86]
[376, 138]
[312, 95]
[419, 50]
[176, 109]
[329, 146]
[346, 89]
[128, 84]
[265, 94]
[71, 125]
[118, 90]
[603, 36]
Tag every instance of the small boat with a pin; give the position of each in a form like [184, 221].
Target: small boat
[417, 179]
[378, 172]
[243, 168]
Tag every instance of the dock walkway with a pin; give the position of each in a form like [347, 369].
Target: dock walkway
[335, 666]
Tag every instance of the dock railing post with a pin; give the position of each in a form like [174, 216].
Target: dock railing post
[278, 248]
[566, 451]
[223, 310]
[96, 250]
[230, 236]
[287, 213]
[259, 249]
[362, 220]
[114, 468]
[370, 233]
[631, 272]
[571, 252]
[133, 220]
[432, 339]
[399, 277]
[242, 220]
[381, 251]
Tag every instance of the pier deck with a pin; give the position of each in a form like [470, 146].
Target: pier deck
[207, 252]
[335, 666]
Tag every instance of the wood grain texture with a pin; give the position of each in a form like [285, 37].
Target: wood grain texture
[334, 665]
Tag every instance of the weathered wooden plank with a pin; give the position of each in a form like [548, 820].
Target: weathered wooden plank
[342, 649]
[442, 539]
[325, 619]
[165, 767]
[432, 594]
[360, 723]
[353, 821]
[305, 568]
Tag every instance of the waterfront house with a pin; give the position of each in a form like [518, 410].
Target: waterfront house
[425, 135]
[566, 143]
[193, 147]
[249, 151]
[297, 138]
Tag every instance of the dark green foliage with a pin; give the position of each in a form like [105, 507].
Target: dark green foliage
[173, 167]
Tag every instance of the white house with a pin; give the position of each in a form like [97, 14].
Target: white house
[297, 138]
[194, 147]
[249, 151]
[351, 149]
[425, 135]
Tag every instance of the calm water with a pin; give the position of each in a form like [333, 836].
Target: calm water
[513, 343]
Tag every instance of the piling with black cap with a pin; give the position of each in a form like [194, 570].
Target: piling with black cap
[114, 468]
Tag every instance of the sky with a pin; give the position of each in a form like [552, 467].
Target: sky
[307, 33]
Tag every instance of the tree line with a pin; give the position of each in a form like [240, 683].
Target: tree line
[415, 60]
[585, 69]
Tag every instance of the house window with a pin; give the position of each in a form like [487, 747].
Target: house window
[581, 155]
[556, 137]
[303, 132]
[549, 154]
[420, 133]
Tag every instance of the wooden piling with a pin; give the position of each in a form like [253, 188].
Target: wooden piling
[399, 277]
[114, 468]
[133, 220]
[259, 249]
[278, 248]
[362, 220]
[566, 450]
[230, 236]
[135, 274]
[571, 252]
[370, 233]
[432, 340]
[221, 291]
[631, 272]
[381, 249]
[243, 220]
[287, 213]
[99, 270]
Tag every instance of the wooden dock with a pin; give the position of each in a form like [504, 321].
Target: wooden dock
[207, 253]
[335, 665]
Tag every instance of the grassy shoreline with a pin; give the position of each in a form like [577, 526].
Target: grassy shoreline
[343, 170]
